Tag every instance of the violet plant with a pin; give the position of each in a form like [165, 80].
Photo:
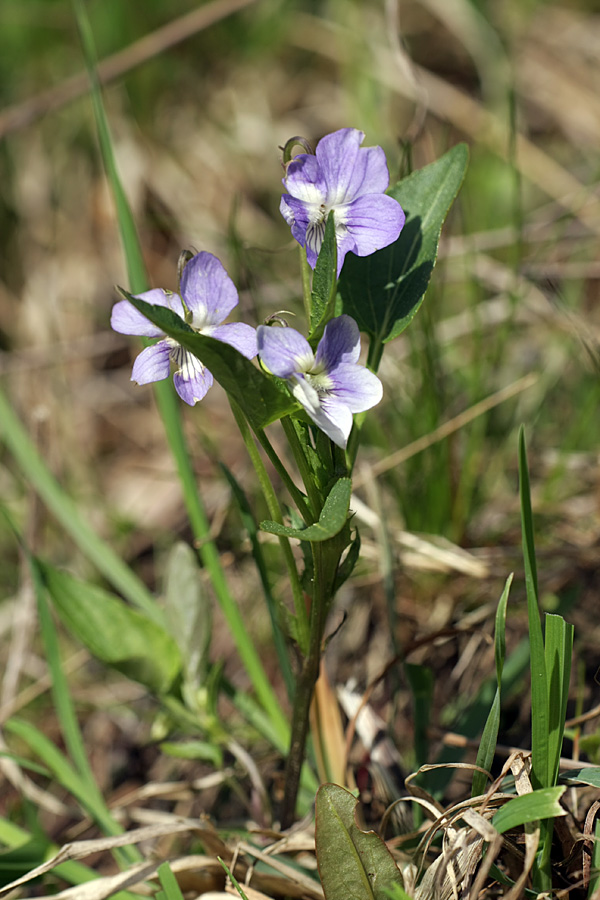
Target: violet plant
[367, 252]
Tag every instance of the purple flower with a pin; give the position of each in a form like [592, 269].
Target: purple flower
[330, 384]
[207, 297]
[350, 181]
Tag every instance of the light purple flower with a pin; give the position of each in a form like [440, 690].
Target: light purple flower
[350, 180]
[330, 384]
[207, 297]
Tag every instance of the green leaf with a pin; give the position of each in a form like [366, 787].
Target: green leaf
[168, 882]
[540, 804]
[18, 861]
[262, 398]
[113, 632]
[233, 879]
[188, 612]
[322, 298]
[383, 291]
[65, 709]
[194, 750]
[576, 777]
[539, 685]
[37, 476]
[558, 647]
[489, 736]
[331, 521]
[62, 769]
[352, 863]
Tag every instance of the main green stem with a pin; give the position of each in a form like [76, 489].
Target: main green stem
[321, 601]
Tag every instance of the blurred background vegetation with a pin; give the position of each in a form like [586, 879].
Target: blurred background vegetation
[197, 114]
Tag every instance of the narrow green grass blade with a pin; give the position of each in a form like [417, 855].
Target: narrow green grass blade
[65, 773]
[397, 892]
[60, 691]
[171, 889]
[420, 679]
[12, 835]
[254, 714]
[168, 403]
[539, 684]
[38, 476]
[595, 862]
[73, 871]
[472, 720]
[558, 647]
[136, 268]
[24, 763]
[500, 629]
[489, 737]
[232, 878]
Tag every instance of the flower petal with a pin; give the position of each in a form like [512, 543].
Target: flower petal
[283, 350]
[152, 364]
[340, 343]
[296, 214]
[304, 180]
[307, 224]
[327, 412]
[237, 335]
[305, 394]
[126, 319]
[350, 171]
[356, 387]
[192, 379]
[373, 222]
[334, 418]
[207, 290]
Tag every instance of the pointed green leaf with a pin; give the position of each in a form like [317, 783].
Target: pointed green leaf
[331, 521]
[168, 882]
[539, 683]
[489, 736]
[541, 804]
[324, 283]
[352, 863]
[383, 291]
[262, 398]
[558, 648]
[188, 611]
[113, 632]
[575, 777]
